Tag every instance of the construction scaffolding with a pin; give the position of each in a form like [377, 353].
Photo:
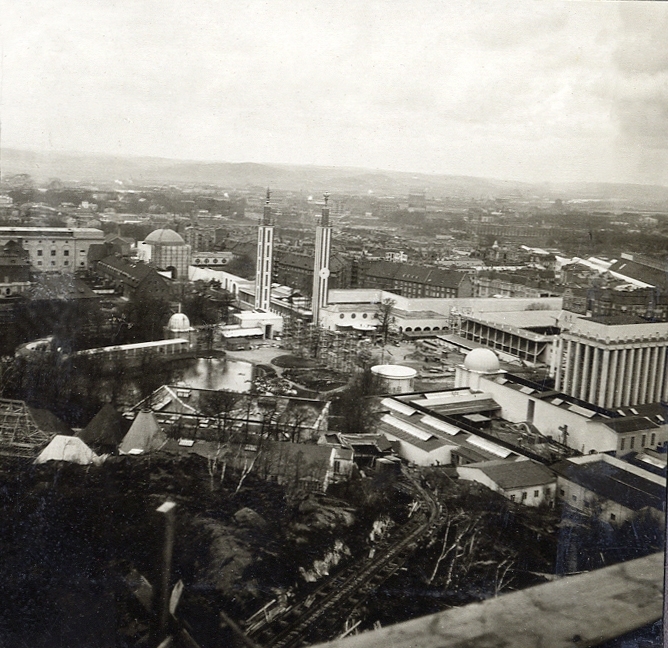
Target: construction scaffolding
[20, 436]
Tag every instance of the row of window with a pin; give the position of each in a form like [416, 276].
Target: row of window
[632, 441]
[66, 252]
[221, 261]
[525, 494]
[419, 329]
[65, 263]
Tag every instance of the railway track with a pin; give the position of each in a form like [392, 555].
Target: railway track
[325, 609]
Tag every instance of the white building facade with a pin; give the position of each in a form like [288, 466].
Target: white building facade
[323, 242]
[54, 249]
[265, 258]
[611, 364]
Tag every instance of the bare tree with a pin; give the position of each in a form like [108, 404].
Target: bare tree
[501, 578]
[460, 539]
[217, 461]
[294, 421]
[219, 404]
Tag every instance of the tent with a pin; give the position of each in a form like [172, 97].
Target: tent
[68, 448]
[143, 436]
[106, 430]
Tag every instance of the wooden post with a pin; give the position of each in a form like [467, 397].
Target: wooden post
[167, 513]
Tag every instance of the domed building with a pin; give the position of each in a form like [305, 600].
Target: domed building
[482, 361]
[179, 327]
[478, 362]
[168, 251]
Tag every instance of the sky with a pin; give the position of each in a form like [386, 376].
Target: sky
[531, 91]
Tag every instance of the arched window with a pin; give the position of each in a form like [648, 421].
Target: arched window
[418, 329]
[426, 328]
[408, 329]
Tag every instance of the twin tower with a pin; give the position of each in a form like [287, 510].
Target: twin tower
[265, 250]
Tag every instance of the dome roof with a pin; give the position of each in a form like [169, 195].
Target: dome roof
[178, 322]
[164, 237]
[482, 361]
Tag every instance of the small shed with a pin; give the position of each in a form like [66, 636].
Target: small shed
[524, 482]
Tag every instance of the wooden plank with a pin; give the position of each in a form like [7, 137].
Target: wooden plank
[581, 610]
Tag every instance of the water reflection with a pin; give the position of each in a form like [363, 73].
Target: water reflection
[212, 373]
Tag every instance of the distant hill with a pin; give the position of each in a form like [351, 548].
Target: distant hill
[105, 169]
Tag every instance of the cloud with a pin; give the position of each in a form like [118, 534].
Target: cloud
[483, 88]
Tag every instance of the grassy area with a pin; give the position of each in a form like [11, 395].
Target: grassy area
[294, 362]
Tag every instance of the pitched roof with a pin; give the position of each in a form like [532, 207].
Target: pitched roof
[308, 461]
[515, 474]
[630, 424]
[144, 435]
[131, 273]
[68, 448]
[24, 430]
[404, 272]
[430, 444]
[641, 272]
[106, 428]
[65, 287]
[306, 261]
[612, 482]
[48, 422]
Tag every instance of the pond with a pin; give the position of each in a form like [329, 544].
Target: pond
[214, 373]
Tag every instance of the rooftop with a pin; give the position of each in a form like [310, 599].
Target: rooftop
[164, 237]
[614, 482]
[516, 474]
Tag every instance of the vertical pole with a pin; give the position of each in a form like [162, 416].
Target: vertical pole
[167, 513]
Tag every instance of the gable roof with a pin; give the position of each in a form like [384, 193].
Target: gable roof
[612, 482]
[130, 273]
[22, 429]
[48, 422]
[419, 274]
[641, 272]
[515, 474]
[630, 424]
[310, 462]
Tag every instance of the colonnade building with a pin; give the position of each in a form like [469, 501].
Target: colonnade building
[613, 361]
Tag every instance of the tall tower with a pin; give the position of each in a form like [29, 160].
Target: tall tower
[323, 242]
[265, 253]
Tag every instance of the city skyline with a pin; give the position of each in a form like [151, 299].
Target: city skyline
[541, 91]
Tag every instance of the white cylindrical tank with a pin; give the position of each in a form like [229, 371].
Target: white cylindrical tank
[396, 379]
